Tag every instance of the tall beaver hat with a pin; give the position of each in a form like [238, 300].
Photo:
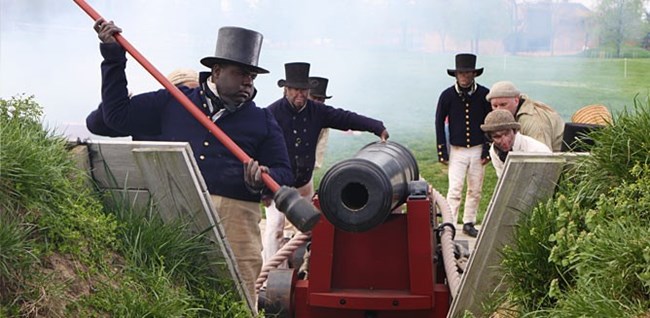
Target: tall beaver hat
[297, 76]
[465, 62]
[321, 89]
[237, 46]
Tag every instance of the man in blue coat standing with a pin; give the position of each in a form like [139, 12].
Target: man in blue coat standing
[464, 106]
[226, 96]
[302, 120]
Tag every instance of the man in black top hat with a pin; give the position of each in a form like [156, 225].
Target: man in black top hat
[226, 96]
[302, 120]
[464, 106]
[319, 94]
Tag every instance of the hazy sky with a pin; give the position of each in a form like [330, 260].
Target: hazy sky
[588, 3]
[48, 48]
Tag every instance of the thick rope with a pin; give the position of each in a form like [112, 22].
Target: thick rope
[446, 238]
[281, 256]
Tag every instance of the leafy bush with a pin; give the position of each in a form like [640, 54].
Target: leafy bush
[586, 253]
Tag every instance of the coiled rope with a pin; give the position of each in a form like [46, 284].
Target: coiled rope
[281, 255]
[447, 243]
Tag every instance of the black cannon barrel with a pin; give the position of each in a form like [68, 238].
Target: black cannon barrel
[358, 194]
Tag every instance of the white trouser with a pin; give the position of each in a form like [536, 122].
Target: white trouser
[465, 162]
[276, 228]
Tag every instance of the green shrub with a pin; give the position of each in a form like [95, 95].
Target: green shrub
[586, 253]
[40, 181]
[612, 256]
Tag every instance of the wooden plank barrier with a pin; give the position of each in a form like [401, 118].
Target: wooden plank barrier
[164, 177]
[527, 180]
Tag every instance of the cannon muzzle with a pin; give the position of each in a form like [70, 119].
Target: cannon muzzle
[358, 194]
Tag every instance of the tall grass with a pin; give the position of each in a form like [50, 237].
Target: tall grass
[17, 256]
[586, 253]
[189, 260]
[39, 181]
[63, 255]
[617, 149]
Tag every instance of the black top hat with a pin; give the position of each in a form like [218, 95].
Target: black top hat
[237, 46]
[465, 62]
[321, 89]
[297, 76]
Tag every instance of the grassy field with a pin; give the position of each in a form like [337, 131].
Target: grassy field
[566, 83]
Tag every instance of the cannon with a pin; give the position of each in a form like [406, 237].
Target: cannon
[375, 254]
[381, 171]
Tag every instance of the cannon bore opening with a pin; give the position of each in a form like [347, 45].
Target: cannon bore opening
[354, 196]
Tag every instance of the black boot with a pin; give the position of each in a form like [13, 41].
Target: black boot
[470, 230]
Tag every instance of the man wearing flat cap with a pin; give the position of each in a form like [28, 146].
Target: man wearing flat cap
[537, 119]
[302, 120]
[501, 128]
[225, 95]
[464, 106]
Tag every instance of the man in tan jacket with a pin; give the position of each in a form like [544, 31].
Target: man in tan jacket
[537, 119]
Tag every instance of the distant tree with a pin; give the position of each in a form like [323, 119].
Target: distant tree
[645, 43]
[621, 21]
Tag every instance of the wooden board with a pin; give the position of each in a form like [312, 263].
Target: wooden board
[527, 179]
[113, 165]
[164, 173]
[180, 193]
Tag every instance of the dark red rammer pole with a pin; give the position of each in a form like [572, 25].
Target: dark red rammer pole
[186, 102]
